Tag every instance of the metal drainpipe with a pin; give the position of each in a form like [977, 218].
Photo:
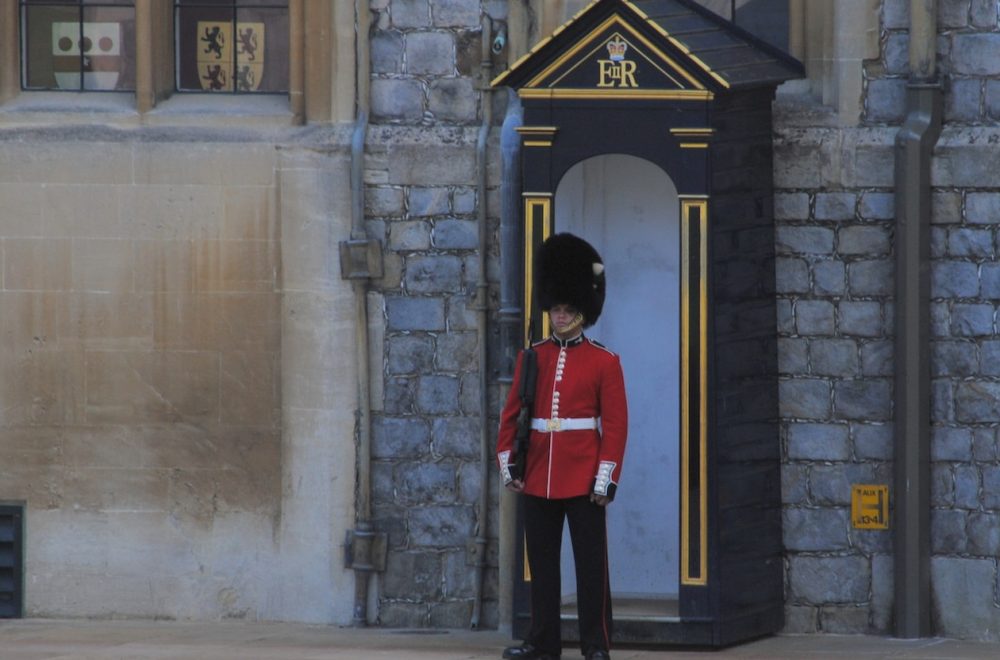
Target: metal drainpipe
[509, 321]
[912, 402]
[297, 72]
[362, 540]
[482, 315]
[510, 237]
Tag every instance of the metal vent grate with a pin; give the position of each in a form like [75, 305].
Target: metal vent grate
[11, 562]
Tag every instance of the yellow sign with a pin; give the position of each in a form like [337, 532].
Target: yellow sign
[870, 507]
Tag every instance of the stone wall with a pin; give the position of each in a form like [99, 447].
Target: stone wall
[177, 392]
[151, 388]
[179, 371]
[835, 277]
[965, 516]
[422, 203]
[834, 281]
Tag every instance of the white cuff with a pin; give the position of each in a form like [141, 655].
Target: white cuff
[603, 478]
[504, 457]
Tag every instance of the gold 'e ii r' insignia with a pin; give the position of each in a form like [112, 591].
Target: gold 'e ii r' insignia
[616, 71]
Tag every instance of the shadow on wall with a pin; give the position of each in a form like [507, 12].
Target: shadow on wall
[765, 19]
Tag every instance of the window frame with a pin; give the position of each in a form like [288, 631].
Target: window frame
[235, 6]
[322, 63]
[80, 6]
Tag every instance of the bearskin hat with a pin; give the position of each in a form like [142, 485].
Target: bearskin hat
[569, 271]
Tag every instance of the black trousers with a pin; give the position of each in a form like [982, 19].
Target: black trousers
[543, 529]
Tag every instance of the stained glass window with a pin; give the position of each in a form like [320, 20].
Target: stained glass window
[78, 45]
[236, 46]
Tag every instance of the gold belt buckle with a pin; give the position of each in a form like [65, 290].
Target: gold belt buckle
[554, 424]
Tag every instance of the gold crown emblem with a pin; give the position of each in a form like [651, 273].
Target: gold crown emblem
[616, 49]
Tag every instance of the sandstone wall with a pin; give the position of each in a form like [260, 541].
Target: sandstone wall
[170, 325]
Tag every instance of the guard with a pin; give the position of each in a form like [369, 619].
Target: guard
[573, 459]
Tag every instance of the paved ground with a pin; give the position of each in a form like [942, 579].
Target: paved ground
[34, 639]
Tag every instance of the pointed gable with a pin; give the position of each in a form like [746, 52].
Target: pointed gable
[647, 49]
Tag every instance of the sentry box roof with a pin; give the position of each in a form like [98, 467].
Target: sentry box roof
[647, 49]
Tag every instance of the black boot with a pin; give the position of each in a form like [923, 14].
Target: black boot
[527, 652]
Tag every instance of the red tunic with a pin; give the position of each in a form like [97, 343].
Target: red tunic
[566, 463]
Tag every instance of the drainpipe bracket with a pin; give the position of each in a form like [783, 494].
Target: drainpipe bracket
[478, 302]
[360, 259]
[365, 551]
[475, 551]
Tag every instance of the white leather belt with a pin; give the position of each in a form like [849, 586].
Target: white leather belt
[558, 424]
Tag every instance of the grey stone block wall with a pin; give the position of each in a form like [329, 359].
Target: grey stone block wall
[422, 203]
[426, 438]
[969, 60]
[835, 292]
[835, 283]
[425, 60]
[834, 208]
[835, 391]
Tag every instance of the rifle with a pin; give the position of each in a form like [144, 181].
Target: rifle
[526, 392]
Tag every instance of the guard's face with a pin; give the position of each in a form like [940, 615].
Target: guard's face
[565, 319]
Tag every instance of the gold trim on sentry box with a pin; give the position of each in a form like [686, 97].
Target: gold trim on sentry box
[688, 205]
[540, 204]
[684, 49]
[592, 37]
[537, 136]
[619, 94]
